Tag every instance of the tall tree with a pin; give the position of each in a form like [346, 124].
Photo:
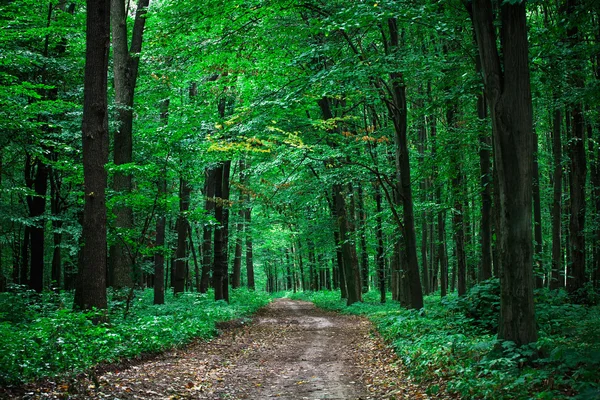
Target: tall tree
[576, 276]
[398, 114]
[91, 287]
[125, 71]
[507, 86]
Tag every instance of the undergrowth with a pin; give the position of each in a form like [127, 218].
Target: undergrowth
[454, 340]
[41, 337]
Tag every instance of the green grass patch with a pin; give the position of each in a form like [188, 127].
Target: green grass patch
[455, 339]
[41, 337]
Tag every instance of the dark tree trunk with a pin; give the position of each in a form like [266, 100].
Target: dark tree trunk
[159, 256]
[249, 259]
[458, 220]
[179, 273]
[537, 218]
[91, 287]
[380, 256]
[225, 229]
[207, 230]
[576, 276]
[508, 92]
[125, 70]
[36, 173]
[346, 228]
[485, 146]
[57, 206]
[220, 279]
[557, 280]
[398, 115]
[364, 256]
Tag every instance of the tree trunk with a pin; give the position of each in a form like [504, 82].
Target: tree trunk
[91, 287]
[509, 96]
[249, 259]
[362, 229]
[220, 258]
[485, 145]
[380, 256]
[346, 228]
[36, 173]
[179, 273]
[557, 280]
[125, 71]
[159, 256]
[576, 276]
[458, 220]
[398, 114]
[537, 218]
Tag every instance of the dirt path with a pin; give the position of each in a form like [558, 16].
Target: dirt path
[291, 350]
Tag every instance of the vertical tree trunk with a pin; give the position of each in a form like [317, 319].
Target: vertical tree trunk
[56, 206]
[537, 218]
[161, 222]
[220, 278]
[179, 273]
[380, 256]
[508, 92]
[576, 276]
[485, 145]
[362, 230]
[125, 71]
[225, 229]
[37, 177]
[159, 256]
[346, 228]
[557, 280]
[458, 220]
[207, 230]
[91, 287]
[249, 259]
[398, 114]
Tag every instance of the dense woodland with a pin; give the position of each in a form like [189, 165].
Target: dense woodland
[416, 149]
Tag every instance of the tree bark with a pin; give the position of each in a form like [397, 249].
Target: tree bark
[380, 256]
[207, 229]
[507, 86]
[125, 71]
[91, 287]
[249, 252]
[179, 273]
[346, 228]
[576, 276]
[36, 173]
[398, 115]
[557, 280]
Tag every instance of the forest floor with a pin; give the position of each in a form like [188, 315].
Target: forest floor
[290, 350]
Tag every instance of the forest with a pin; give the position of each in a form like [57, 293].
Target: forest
[434, 166]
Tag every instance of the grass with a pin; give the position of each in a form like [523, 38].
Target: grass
[41, 337]
[455, 340]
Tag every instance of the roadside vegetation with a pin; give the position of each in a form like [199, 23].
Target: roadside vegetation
[454, 341]
[41, 337]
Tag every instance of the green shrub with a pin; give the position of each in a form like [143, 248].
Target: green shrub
[46, 340]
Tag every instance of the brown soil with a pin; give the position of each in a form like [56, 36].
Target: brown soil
[291, 350]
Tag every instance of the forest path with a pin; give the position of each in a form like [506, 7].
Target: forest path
[291, 350]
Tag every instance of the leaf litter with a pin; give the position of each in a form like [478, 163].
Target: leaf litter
[291, 350]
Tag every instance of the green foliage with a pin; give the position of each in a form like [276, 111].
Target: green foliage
[450, 340]
[40, 337]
